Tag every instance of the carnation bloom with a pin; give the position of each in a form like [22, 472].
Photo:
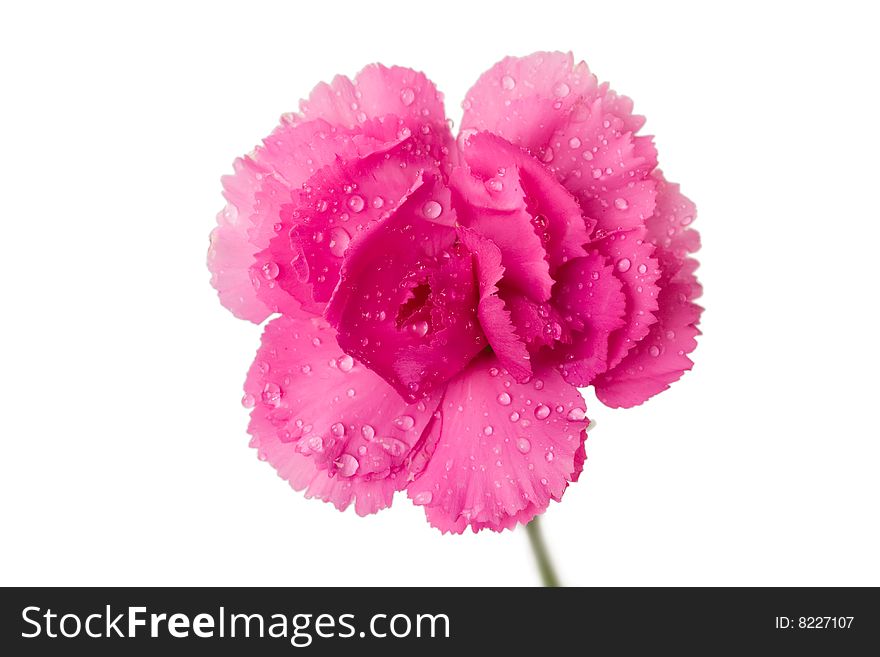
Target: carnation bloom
[440, 301]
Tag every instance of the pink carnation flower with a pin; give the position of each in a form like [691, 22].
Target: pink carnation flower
[440, 301]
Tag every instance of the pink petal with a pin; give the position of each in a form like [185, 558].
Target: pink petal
[631, 255]
[406, 301]
[605, 167]
[504, 449]
[669, 229]
[336, 206]
[259, 188]
[538, 324]
[660, 358]
[328, 424]
[590, 298]
[524, 99]
[494, 317]
[510, 174]
[378, 91]
[508, 225]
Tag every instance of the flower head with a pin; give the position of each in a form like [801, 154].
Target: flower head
[440, 300]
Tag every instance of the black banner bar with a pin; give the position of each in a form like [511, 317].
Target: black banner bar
[333, 621]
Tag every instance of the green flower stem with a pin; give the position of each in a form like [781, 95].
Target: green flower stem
[542, 557]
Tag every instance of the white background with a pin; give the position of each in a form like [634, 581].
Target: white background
[124, 455]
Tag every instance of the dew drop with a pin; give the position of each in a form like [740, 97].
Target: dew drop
[338, 429]
[507, 83]
[504, 399]
[577, 414]
[623, 265]
[272, 393]
[248, 401]
[561, 90]
[356, 203]
[368, 432]
[432, 209]
[347, 465]
[643, 268]
[539, 384]
[346, 363]
[494, 185]
[407, 96]
[542, 412]
[488, 430]
[305, 369]
[270, 271]
[420, 328]
[548, 456]
[654, 350]
[574, 142]
[621, 203]
[404, 422]
[514, 417]
[523, 445]
[547, 155]
[339, 241]
[423, 498]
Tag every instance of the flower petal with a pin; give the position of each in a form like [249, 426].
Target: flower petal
[514, 180]
[504, 449]
[524, 99]
[260, 186]
[591, 300]
[378, 91]
[660, 358]
[327, 423]
[631, 255]
[338, 204]
[406, 302]
[494, 317]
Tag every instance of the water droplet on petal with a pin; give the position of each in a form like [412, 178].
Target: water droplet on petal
[654, 350]
[488, 430]
[423, 498]
[621, 203]
[272, 393]
[407, 96]
[643, 268]
[561, 90]
[248, 401]
[368, 432]
[347, 465]
[270, 271]
[339, 241]
[523, 445]
[432, 209]
[539, 384]
[420, 328]
[346, 363]
[514, 417]
[623, 265]
[356, 203]
[542, 412]
[576, 414]
[404, 422]
[548, 456]
[574, 142]
[338, 429]
[504, 399]
[507, 83]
